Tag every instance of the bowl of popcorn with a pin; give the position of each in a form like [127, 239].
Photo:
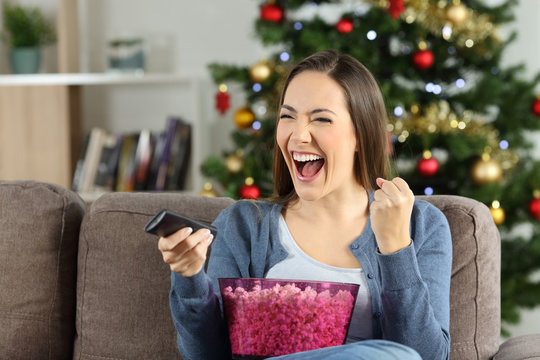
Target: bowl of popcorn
[271, 317]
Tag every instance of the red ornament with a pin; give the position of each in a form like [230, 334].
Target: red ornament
[249, 192]
[344, 26]
[271, 12]
[534, 208]
[423, 59]
[428, 167]
[222, 102]
[536, 107]
[395, 8]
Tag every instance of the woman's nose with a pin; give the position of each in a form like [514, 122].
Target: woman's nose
[301, 133]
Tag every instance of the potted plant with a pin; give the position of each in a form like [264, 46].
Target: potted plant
[25, 31]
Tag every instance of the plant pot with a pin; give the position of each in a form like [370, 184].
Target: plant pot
[25, 60]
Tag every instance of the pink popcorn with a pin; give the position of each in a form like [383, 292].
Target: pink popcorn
[266, 318]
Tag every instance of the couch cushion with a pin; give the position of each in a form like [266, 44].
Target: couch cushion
[520, 347]
[475, 285]
[39, 228]
[123, 284]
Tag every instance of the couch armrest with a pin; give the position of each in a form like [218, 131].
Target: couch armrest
[520, 347]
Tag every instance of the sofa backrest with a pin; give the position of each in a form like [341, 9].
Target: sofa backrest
[123, 284]
[475, 287]
[39, 232]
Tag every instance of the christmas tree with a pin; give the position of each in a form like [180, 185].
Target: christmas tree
[457, 118]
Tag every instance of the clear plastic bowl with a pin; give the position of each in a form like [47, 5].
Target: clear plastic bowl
[270, 317]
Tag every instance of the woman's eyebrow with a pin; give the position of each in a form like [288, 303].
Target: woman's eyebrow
[314, 111]
[288, 107]
[321, 110]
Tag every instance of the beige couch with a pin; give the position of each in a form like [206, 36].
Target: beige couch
[88, 283]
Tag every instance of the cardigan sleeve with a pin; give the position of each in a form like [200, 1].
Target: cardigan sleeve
[195, 301]
[416, 286]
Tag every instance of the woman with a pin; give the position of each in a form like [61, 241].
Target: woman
[334, 218]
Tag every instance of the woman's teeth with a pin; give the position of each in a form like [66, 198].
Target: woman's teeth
[304, 157]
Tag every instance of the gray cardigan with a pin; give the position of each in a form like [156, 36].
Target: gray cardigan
[410, 289]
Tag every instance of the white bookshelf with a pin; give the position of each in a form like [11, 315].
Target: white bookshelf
[129, 93]
[82, 79]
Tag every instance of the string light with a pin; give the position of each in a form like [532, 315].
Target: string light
[284, 56]
[428, 191]
[446, 32]
[398, 111]
[256, 125]
[260, 110]
[257, 87]
[467, 27]
[298, 26]
[503, 145]
[371, 35]
[460, 83]
[433, 88]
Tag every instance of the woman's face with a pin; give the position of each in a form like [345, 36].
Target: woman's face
[316, 136]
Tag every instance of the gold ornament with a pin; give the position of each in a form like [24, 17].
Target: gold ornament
[244, 117]
[457, 13]
[208, 191]
[433, 16]
[234, 163]
[260, 72]
[486, 171]
[497, 212]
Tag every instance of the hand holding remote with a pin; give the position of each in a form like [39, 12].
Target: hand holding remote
[183, 242]
[185, 251]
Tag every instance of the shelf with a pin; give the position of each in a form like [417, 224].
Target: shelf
[92, 79]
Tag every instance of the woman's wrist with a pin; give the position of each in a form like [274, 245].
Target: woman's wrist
[394, 248]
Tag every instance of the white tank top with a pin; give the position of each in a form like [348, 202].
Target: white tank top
[306, 268]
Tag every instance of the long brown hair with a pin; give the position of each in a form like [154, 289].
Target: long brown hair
[367, 111]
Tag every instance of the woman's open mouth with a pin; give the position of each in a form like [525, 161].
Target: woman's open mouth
[307, 165]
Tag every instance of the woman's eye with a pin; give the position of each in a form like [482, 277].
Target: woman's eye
[285, 116]
[325, 120]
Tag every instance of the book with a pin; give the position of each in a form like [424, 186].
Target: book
[143, 159]
[125, 180]
[108, 164]
[138, 161]
[75, 184]
[156, 157]
[163, 166]
[180, 154]
[91, 159]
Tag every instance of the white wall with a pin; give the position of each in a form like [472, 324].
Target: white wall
[526, 48]
[185, 35]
